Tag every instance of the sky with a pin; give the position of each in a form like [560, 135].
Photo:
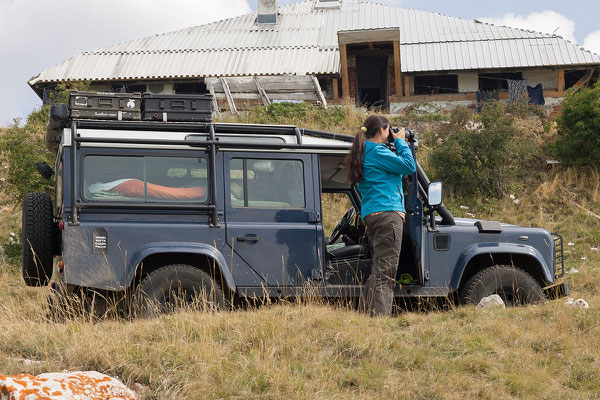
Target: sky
[36, 34]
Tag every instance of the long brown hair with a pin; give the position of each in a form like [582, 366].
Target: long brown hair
[354, 159]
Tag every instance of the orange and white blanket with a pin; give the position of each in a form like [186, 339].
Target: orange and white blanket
[135, 188]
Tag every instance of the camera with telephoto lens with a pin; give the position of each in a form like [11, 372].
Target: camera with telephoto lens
[409, 134]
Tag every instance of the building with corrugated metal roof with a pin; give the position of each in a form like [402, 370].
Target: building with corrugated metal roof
[367, 53]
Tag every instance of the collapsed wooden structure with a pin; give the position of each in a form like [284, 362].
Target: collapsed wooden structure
[239, 93]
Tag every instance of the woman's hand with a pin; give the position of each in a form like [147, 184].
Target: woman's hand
[400, 134]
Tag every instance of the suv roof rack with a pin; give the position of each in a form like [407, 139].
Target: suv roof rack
[60, 119]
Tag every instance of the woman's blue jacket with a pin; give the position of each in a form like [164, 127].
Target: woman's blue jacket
[381, 186]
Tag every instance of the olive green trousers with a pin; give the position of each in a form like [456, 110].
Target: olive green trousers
[385, 236]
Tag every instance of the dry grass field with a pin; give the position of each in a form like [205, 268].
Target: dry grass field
[308, 350]
[312, 350]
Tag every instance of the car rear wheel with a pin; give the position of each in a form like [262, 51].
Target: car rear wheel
[38, 243]
[515, 286]
[174, 287]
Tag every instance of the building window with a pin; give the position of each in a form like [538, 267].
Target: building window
[189, 88]
[128, 88]
[434, 84]
[263, 183]
[145, 179]
[572, 77]
[497, 81]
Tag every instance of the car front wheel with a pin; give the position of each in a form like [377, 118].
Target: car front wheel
[515, 286]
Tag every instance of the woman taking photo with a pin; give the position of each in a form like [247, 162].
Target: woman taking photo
[377, 172]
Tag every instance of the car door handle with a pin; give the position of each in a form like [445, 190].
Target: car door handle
[251, 237]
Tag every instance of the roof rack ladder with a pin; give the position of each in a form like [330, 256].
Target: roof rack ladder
[74, 218]
[213, 185]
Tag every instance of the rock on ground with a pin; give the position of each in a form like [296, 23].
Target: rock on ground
[89, 385]
[491, 301]
[577, 303]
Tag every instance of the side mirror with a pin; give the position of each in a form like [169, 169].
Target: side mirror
[44, 169]
[434, 193]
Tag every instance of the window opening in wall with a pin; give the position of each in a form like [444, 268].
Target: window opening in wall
[497, 81]
[189, 88]
[572, 77]
[128, 88]
[434, 84]
[372, 81]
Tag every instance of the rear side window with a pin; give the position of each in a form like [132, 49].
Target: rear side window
[145, 179]
[264, 183]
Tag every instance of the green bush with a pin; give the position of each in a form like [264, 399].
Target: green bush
[22, 145]
[479, 154]
[279, 113]
[578, 140]
[338, 119]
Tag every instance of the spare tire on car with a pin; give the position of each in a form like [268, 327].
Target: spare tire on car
[38, 241]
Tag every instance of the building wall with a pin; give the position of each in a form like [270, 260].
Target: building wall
[392, 75]
[468, 82]
[352, 76]
[547, 77]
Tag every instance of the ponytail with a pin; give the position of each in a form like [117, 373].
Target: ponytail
[354, 159]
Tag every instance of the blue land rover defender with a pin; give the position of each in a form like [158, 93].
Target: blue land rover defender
[159, 212]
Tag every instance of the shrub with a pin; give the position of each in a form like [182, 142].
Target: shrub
[22, 146]
[578, 141]
[479, 154]
[337, 119]
[279, 113]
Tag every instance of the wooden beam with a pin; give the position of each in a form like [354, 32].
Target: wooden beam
[368, 35]
[407, 86]
[371, 46]
[561, 80]
[371, 53]
[304, 96]
[461, 96]
[318, 91]
[583, 80]
[345, 80]
[397, 74]
[215, 103]
[262, 93]
[334, 84]
[229, 97]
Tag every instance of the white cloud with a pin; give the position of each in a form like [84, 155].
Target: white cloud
[36, 34]
[592, 42]
[546, 22]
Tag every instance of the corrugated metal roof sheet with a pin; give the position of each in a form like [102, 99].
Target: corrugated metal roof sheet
[491, 54]
[305, 42]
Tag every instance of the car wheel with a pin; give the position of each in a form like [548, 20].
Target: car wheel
[515, 286]
[38, 239]
[174, 287]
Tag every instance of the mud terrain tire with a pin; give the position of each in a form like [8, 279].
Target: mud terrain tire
[172, 287]
[515, 286]
[38, 242]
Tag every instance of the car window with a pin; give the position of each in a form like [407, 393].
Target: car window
[266, 183]
[145, 179]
